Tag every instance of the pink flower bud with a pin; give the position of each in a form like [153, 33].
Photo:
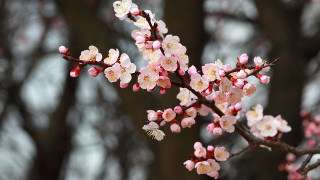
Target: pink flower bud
[75, 72]
[136, 87]
[163, 91]
[164, 73]
[222, 73]
[243, 59]
[189, 165]
[175, 128]
[135, 11]
[192, 70]
[239, 83]
[181, 72]
[217, 131]
[210, 128]
[63, 49]
[317, 118]
[156, 44]
[150, 90]
[123, 85]
[311, 143]
[241, 74]
[94, 72]
[290, 157]
[304, 113]
[140, 39]
[197, 145]
[178, 109]
[264, 79]
[238, 107]
[210, 148]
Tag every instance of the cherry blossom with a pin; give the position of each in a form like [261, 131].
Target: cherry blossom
[153, 131]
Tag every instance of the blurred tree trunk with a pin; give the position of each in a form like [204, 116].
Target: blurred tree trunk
[53, 144]
[281, 25]
[173, 150]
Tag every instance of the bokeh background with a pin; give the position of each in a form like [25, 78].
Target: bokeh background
[56, 127]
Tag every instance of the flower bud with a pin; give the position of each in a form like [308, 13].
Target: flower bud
[264, 79]
[239, 83]
[181, 72]
[135, 11]
[75, 72]
[241, 74]
[217, 131]
[222, 73]
[123, 85]
[163, 90]
[189, 165]
[94, 72]
[63, 50]
[156, 44]
[136, 87]
[178, 109]
[175, 128]
[243, 59]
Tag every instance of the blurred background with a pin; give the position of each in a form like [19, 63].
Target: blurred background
[56, 127]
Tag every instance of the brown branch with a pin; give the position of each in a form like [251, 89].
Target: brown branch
[250, 146]
[305, 171]
[303, 165]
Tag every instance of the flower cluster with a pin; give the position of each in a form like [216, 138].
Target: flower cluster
[292, 168]
[216, 90]
[311, 126]
[206, 160]
[266, 126]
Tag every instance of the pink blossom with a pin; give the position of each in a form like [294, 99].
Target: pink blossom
[197, 145]
[168, 115]
[264, 79]
[243, 59]
[220, 154]
[187, 122]
[175, 128]
[210, 128]
[241, 74]
[192, 70]
[189, 165]
[239, 83]
[217, 131]
[290, 157]
[178, 109]
[203, 167]
[249, 89]
[152, 115]
[311, 143]
[200, 152]
[192, 112]
[140, 39]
